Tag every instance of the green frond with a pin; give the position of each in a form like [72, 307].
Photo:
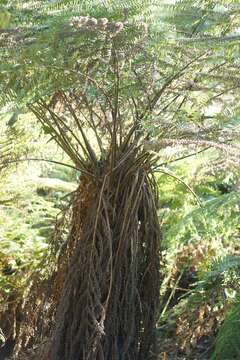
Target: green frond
[227, 346]
[223, 272]
[47, 48]
[217, 222]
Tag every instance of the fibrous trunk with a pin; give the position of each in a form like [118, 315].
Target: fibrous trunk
[108, 306]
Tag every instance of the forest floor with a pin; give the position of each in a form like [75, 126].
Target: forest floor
[168, 350]
[202, 351]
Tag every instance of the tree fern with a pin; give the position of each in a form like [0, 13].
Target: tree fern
[78, 67]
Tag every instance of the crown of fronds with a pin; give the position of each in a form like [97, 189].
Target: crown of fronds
[90, 57]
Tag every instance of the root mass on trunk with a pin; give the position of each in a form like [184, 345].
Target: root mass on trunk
[109, 302]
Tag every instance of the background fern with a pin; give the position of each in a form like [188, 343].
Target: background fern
[228, 339]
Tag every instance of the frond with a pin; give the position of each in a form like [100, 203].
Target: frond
[227, 341]
[216, 223]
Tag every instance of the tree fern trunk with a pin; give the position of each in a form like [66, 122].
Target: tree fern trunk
[108, 306]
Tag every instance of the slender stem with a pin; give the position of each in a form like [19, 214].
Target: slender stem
[87, 144]
[115, 109]
[57, 119]
[168, 82]
[171, 294]
[182, 157]
[9, 162]
[60, 137]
